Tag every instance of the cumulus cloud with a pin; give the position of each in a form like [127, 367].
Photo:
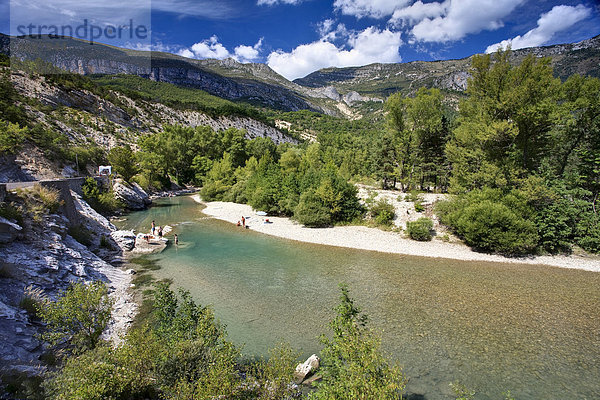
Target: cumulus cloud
[274, 2]
[369, 8]
[212, 48]
[246, 54]
[369, 46]
[461, 18]
[555, 20]
[330, 33]
[418, 12]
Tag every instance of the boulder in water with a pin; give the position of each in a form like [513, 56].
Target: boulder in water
[305, 369]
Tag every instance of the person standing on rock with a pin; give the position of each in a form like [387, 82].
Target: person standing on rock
[243, 221]
[160, 231]
[153, 226]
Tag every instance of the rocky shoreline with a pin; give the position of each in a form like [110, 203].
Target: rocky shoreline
[365, 238]
[45, 256]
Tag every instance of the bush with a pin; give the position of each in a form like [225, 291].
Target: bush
[382, 212]
[311, 211]
[78, 316]
[494, 227]
[11, 212]
[420, 229]
[489, 220]
[102, 202]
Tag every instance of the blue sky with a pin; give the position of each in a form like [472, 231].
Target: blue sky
[296, 37]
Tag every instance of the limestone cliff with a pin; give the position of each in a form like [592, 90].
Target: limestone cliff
[43, 255]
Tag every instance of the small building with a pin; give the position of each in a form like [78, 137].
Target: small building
[104, 170]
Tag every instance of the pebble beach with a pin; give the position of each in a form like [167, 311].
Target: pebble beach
[373, 239]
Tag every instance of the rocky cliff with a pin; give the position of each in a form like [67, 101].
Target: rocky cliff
[227, 79]
[42, 256]
[86, 118]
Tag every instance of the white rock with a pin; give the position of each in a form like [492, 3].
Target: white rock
[133, 196]
[125, 239]
[306, 368]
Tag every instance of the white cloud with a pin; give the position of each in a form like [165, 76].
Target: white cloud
[369, 8]
[555, 20]
[418, 12]
[274, 2]
[186, 53]
[366, 47]
[330, 33]
[463, 17]
[212, 48]
[245, 54]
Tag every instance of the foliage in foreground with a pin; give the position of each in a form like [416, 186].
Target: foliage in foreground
[182, 353]
[77, 318]
[353, 365]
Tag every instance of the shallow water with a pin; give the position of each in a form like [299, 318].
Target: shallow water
[533, 330]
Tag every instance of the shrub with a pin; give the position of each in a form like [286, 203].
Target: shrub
[420, 229]
[90, 189]
[382, 212]
[102, 202]
[11, 137]
[78, 316]
[489, 220]
[311, 211]
[417, 199]
[11, 212]
[353, 365]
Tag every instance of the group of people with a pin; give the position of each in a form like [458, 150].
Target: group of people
[159, 232]
[242, 223]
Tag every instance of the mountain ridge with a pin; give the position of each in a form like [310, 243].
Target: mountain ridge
[448, 74]
[326, 90]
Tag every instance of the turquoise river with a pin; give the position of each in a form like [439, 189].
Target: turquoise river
[533, 330]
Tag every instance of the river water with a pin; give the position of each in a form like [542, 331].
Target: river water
[533, 330]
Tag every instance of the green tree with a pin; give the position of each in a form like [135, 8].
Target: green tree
[11, 137]
[353, 366]
[505, 124]
[311, 211]
[122, 159]
[78, 316]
